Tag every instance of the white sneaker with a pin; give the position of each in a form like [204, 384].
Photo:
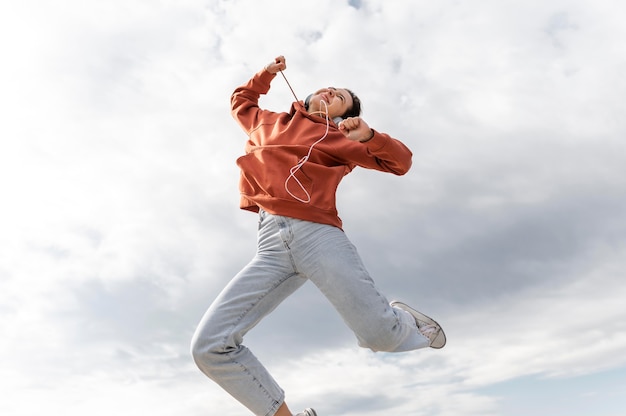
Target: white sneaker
[307, 412]
[426, 325]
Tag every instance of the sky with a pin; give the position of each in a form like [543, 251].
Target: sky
[119, 220]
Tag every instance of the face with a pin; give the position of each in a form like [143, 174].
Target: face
[338, 101]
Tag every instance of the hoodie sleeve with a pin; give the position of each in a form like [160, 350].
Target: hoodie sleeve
[384, 153]
[245, 100]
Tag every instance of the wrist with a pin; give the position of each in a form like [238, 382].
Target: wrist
[371, 135]
[271, 68]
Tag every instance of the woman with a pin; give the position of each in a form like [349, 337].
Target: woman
[293, 164]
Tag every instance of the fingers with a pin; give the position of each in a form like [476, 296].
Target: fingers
[355, 128]
[280, 60]
[348, 126]
[350, 123]
[278, 64]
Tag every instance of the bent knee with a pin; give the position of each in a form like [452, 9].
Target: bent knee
[206, 352]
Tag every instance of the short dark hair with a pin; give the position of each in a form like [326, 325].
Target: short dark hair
[355, 110]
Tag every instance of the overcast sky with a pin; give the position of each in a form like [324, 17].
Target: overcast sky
[119, 220]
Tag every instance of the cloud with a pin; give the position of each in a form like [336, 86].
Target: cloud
[120, 222]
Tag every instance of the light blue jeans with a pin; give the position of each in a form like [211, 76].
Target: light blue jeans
[290, 251]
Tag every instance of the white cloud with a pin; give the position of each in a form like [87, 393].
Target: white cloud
[120, 224]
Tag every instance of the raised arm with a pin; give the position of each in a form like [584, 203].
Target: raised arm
[245, 99]
[382, 152]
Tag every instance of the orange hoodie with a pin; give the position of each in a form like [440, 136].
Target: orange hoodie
[278, 141]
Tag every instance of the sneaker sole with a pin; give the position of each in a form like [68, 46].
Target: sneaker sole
[440, 339]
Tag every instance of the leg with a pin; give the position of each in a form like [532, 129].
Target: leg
[217, 344]
[331, 262]
[283, 410]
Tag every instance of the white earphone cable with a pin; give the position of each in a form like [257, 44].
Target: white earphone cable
[294, 169]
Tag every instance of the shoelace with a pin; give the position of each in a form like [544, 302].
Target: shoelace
[428, 331]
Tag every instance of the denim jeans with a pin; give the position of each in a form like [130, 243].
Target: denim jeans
[290, 252]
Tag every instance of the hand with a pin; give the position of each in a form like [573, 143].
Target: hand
[356, 129]
[278, 64]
